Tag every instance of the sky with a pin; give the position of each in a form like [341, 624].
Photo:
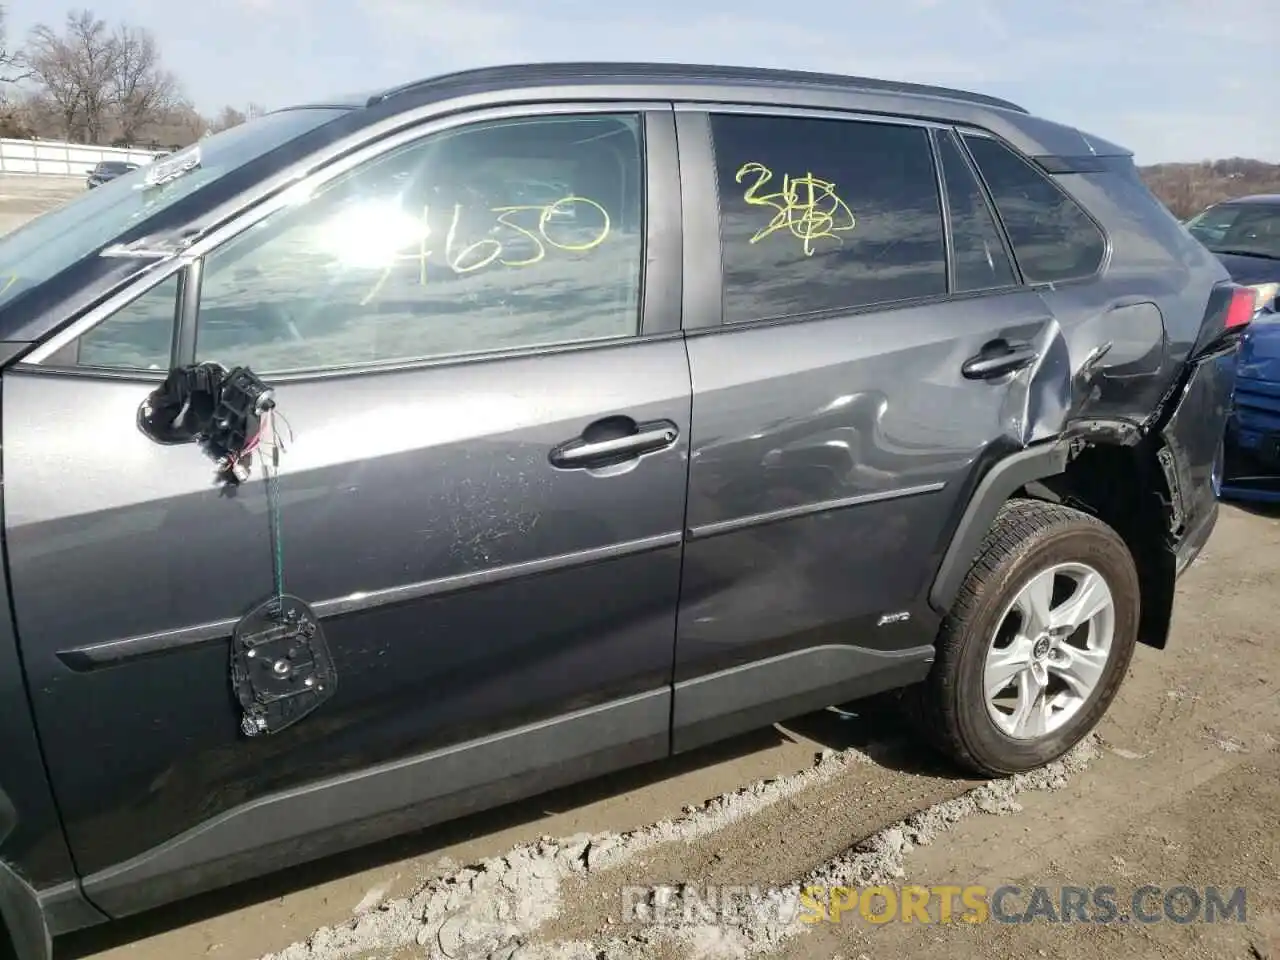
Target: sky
[1172, 80]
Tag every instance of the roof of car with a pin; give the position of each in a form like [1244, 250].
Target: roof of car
[1254, 198]
[569, 73]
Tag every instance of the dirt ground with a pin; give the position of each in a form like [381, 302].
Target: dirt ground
[1180, 787]
[23, 197]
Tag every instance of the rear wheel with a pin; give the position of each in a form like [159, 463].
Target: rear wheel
[1037, 642]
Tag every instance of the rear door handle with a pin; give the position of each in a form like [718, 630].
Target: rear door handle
[629, 440]
[998, 358]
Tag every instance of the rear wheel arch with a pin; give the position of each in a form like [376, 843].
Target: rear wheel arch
[1121, 484]
[1124, 486]
[1002, 481]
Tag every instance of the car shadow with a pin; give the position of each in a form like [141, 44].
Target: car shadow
[1258, 508]
[878, 728]
[874, 726]
[1271, 511]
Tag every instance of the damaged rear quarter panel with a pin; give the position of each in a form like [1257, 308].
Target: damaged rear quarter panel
[1101, 374]
[1129, 332]
[1114, 368]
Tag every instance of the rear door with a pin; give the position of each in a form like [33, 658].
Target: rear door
[870, 350]
[473, 331]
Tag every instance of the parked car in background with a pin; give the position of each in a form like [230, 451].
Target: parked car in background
[637, 406]
[107, 170]
[1244, 234]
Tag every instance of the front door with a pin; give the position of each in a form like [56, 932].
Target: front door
[482, 494]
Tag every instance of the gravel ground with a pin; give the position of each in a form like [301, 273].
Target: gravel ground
[1179, 785]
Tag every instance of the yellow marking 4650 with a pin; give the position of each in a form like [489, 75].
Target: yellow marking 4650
[482, 253]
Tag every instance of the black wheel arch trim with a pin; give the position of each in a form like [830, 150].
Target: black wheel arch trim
[1004, 478]
[23, 916]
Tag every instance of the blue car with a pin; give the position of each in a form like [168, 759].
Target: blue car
[1244, 233]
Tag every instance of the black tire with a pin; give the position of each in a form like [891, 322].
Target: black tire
[1028, 536]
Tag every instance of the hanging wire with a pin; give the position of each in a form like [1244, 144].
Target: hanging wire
[275, 446]
[272, 475]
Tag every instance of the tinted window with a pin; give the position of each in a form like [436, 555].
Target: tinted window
[139, 336]
[1053, 238]
[1244, 228]
[978, 253]
[825, 214]
[495, 236]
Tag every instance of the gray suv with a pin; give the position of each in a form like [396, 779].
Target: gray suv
[632, 407]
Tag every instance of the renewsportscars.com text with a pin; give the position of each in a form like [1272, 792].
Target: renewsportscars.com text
[1008, 903]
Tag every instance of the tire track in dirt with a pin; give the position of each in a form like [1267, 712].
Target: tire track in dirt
[775, 846]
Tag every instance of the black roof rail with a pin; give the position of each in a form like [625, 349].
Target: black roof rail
[623, 71]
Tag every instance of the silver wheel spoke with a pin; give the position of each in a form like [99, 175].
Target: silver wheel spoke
[1061, 700]
[1036, 603]
[1028, 717]
[1081, 669]
[1091, 597]
[1005, 663]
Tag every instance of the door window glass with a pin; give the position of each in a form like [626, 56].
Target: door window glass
[138, 336]
[819, 215]
[497, 236]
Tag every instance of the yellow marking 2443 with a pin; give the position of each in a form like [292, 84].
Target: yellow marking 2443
[807, 207]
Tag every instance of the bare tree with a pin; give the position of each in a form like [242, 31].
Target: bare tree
[1187, 188]
[29, 115]
[230, 116]
[226, 118]
[76, 69]
[105, 83]
[141, 90]
[184, 123]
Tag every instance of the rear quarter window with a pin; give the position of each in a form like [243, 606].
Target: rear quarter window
[1053, 239]
[979, 259]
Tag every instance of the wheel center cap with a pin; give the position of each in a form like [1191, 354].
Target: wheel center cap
[1041, 648]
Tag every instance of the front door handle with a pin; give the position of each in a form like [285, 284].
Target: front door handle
[613, 440]
[998, 358]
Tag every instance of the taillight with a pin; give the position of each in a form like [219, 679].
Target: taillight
[1241, 308]
[1227, 315]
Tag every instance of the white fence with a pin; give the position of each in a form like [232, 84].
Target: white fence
[54, 158]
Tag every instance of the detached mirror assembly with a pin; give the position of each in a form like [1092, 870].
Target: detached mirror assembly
[221, 410]
[280, 667]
